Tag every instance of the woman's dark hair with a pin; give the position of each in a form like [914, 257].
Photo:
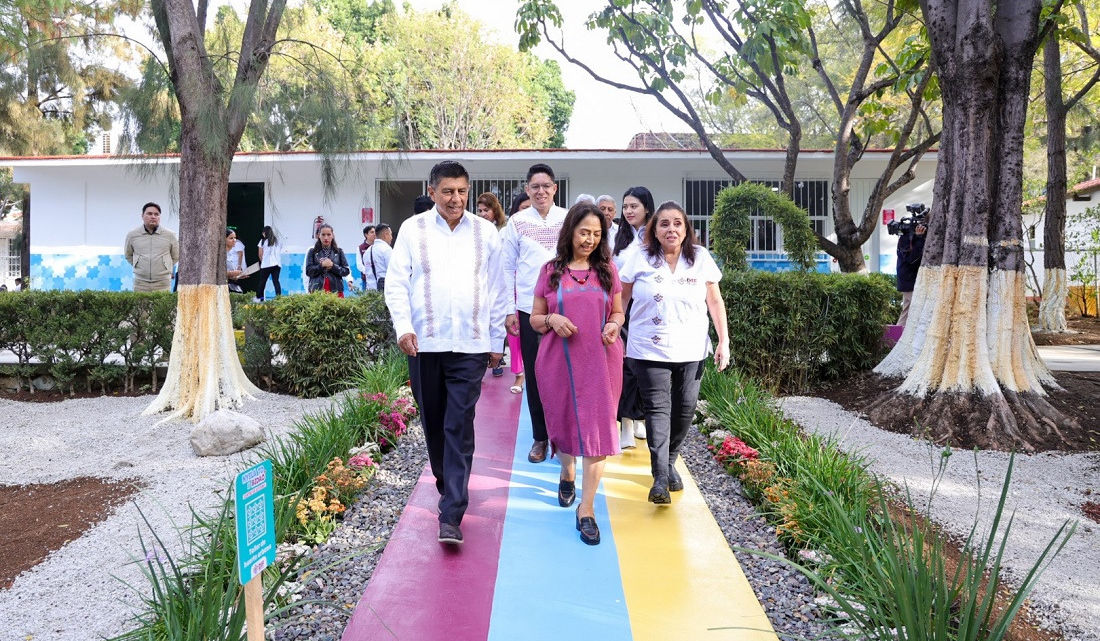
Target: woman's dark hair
[653, 246]
[490, 200]
[625, 235]
[268, 234]
[317, 246]
[600, 258]
[517, 202]
[229, 230]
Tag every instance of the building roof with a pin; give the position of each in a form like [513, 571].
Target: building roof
[1083, 188]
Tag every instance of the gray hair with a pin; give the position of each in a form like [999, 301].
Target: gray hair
[585, 198]
[604, 197]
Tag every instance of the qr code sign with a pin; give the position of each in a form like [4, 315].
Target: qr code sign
[255, 520]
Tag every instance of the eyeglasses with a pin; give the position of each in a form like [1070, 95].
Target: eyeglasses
[541, 187]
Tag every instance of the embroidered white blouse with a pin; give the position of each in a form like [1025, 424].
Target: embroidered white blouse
[447, 286]
[529, 243]
[668, 320]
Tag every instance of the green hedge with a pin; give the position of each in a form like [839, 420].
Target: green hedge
[794, 330]
[313, 343]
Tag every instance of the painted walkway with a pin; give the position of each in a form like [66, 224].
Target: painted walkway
[523, 572]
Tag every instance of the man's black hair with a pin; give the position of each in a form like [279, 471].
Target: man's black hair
[540, 168]
[422, 204]
[446, 169]
[150, 204]
[381, 228]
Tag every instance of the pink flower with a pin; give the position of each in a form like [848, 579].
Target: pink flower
[733, 450]
[360, 461]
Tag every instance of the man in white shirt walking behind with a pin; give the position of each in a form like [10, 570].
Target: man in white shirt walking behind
[376, 260]
[530, 240]
[445, 291]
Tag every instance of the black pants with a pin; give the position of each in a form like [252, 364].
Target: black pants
[274, 273]
[529, 346]
[670, 392]
[446, 386]
[630, 401]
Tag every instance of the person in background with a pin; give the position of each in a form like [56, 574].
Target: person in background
[674, 284]
[370, 233]
[326, 264]
[578, 308]
[529, 242]
[271, 262]
[446, 295]
[377, 259]
[637, 210]
[519, 201]
[234, 261]
[20, 285]
[607, 206]
[489, 208]
[422, 204]
[153, 251]
[910, 255]
[585, 198]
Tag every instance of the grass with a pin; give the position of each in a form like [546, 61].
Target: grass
[887, 580]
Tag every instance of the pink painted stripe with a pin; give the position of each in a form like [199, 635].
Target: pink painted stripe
[424, 590]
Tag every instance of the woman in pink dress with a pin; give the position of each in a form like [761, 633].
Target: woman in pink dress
[578, 308]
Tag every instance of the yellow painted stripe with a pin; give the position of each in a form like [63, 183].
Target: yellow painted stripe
[680, 579]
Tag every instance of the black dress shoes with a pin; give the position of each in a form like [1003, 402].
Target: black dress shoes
[675, 483]
[658, 494]
[538, 451]
[450, 534]
[567, 493]
[590, 532]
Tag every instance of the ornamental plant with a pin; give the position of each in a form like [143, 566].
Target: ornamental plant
[330, 496]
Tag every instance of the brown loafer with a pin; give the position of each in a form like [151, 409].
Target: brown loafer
[538, 451]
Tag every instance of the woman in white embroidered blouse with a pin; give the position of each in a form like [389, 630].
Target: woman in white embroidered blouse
[673, 283]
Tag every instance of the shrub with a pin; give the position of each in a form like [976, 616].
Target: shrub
[318, 341]
[731, 230]
[793, 330]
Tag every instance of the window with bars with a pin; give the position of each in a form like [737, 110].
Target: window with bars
[811, 195]
[9, 259]
[506, 189]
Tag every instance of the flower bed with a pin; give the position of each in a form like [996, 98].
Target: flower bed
[882, 569]
[317, 472]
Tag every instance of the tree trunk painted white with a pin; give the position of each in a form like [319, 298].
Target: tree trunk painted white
[204, 371]
[1052, 311]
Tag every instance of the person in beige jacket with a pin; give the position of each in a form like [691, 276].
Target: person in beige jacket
[153, 251]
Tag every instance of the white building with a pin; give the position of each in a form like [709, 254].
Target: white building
[82, 206]
[1080, 197]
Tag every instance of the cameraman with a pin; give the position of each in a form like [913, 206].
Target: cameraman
[910, 252]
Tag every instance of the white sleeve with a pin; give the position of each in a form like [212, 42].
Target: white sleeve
[501, 299]
[509, 260]
[708, 269]
[399, 281]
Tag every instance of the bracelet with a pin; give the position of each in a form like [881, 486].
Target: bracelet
[546, 319]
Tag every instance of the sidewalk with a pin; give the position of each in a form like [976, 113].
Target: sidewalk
[523, 573]
[1071, 358]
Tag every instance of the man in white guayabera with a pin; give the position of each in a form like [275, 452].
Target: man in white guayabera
[445, 290]
[530, 240]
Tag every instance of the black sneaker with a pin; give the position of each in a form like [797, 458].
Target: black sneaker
[450, 534]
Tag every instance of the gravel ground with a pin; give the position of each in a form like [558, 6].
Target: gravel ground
[80, 591]
[1047, 490]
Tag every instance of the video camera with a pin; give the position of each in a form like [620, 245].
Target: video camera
[908, 224]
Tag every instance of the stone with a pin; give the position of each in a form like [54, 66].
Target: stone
[225, 432]
[43, 383]
[10, 383]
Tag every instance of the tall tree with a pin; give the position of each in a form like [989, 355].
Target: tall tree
[204, 373]
[55, 82]
[968, 349]
[1052, 309]
[764, 47]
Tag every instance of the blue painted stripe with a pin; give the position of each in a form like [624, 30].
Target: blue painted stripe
[550, 585]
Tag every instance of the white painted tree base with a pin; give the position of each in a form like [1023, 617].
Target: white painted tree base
[204, 371]
[1052, 311]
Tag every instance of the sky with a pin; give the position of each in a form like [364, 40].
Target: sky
[603, 117]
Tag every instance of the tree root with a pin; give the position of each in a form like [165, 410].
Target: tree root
[1008, 421]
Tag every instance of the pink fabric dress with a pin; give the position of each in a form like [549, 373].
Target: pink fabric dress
[583, 377]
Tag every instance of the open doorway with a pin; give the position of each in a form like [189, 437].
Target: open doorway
[396, 198]
[245, 215]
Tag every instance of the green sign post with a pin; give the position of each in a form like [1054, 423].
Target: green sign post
[255, 501]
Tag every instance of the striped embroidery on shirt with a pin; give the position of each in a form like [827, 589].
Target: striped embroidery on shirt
[479, 257]
[547, 237]
[426, 267]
